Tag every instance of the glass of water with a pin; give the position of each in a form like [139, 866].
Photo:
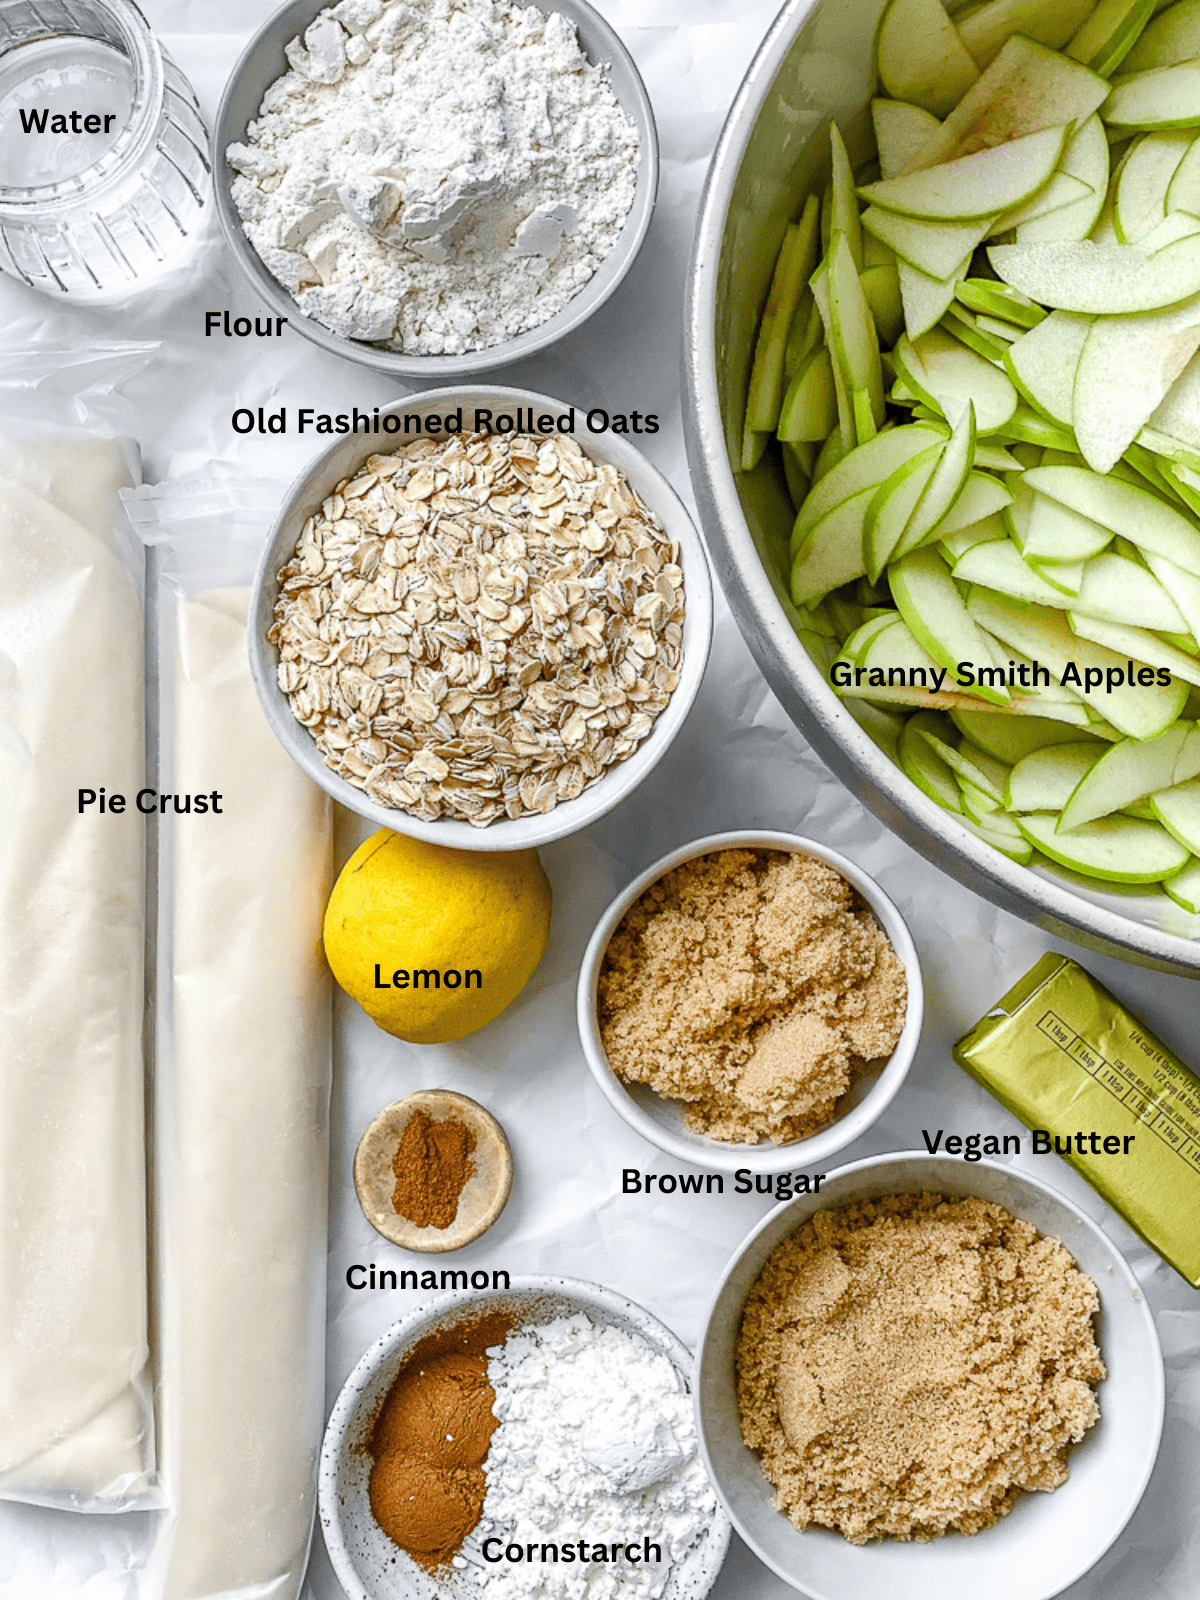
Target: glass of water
[104, 167]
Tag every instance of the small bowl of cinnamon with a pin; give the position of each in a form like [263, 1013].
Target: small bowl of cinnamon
[433, 1171]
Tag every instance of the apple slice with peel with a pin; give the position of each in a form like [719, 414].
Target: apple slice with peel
[981, 498]
[1026, 90]
[1113, 589]
[1179, 414]
[1065, 576]
[987, 28]
[847, 427]
[1003, 834]
[921, 762]
[921, 57]
[1127, 368]
[979, 185]
[1145, 181]
[805, 334]
[892, 506]
[1045, 779]
[933, 608]
[960, 324]
[1167, 97]
[1011, 738]
[1085, 158]
[1139, 644]
[1063, 191]
[926, 299]
[843, 202]
[1054, 532]
[934, 248]
[797, 469]
[831, 553]
[1109, 34]
[863, 468]
[998, 300]
[1166, 40]
[949, 377]
[976, 804]
[809, 407]
[1042, 364]
[881, 286]
[1044, 636]
[1184, 887]
[901, 129]
[955, 545]
[1130, 771]
[1183, 587]
[856, 644]
[797, 256]
[1134, 512]
[1178, 809]
[1120, 849]
[944, 488]
[1184, 191]
[1102, 279]
[855, 346]
[971, 766]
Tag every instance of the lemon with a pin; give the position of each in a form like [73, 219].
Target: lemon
[432, 942]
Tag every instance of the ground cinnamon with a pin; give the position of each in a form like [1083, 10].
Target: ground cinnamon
[431, 1438]
[432, 1165]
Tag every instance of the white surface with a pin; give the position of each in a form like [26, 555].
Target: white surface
[738, 763]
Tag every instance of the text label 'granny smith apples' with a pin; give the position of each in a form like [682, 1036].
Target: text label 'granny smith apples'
[977, 382]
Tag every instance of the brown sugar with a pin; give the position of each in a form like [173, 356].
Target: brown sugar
[907, 1366]
[432, 1164]
[751, 986]
[431, 1438]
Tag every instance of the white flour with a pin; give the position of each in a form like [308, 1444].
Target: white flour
[596, 1442]
[436, 177]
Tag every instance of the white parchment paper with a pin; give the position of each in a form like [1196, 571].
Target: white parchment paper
[738, 763]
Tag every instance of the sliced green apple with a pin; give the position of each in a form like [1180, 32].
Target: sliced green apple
[1126, 508]
[1165, 97]
[921, 762]
[989, 27]
[978, 185]
[1139, 644]
[847, 424]
[1113, 589]
[809, 407]
[1101, 279]
[901, 130]
[1127, 368]
[1086, 158]
[970, 766]
[796, 474]
[1062, 193]
[1119, 849]
[961, 325]
[998, 300]
[1168, 39]
[1002, 833]
[933, 608]
[1145, 181]
[925, 299]
[955, 545]
[1178, 809]
[949, 377]
[948, 482]
[1053, 532]
[1130, 771]
[891, 507]
[844, 204]
[1045, 779]
[982, 496]
[806, 333]
[1010, 738]
[881, 286]
[797, 256]
[831, 553]
[934, 248]
[863, 468]
[1184, 887]
[1042, 364]
[921, 57]
[754, 447]
[1109, 34]
[1183, 587]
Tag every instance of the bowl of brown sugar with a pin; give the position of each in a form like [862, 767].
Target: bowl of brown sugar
[752, 1000]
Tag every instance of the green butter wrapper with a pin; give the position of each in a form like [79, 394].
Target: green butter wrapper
[1064, 1055]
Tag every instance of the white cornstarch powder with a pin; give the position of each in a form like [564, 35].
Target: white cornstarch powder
[596, 1442]
[436, 177]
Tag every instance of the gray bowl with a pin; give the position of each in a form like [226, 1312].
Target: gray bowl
[1048, 1540]
[343, 459]
[263, 60]
[815, 63]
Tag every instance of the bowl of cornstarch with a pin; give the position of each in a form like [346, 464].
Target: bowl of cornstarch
[503, 1443]
[435, 187]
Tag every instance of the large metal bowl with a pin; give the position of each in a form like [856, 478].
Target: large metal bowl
[815, 63]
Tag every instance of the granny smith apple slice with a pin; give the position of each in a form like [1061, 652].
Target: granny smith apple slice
[1120, 849]
[1045, 779]
[1010, 738]
[947, 483]
[855, 646]
[995, 457]
[896, 656]
[1144, 182]
[901, 129]
[754, 447]
[925, 299]
[1053, 532]
[797, 256]
[1008, 332]
[1183, 587]
[1026, 426]
[1108, 35]
[1184, 887]
[847, 426]
[1113, 589]
[875, 252]
[924, 766]
[1139, 644]
[855, 346]
[843, 202]
[961, 325]
[1065, 576]
[1062, 191]
[806, 333]
[970, 765]
[863, 468]
[1173, 450]
[881, 286]
[990, 26]
[1127, 509]
[1085, 158]
[1131, 770]
[921, 57]
[797, 471]
[981, 498]
[933, 608]
[1166, 97]
[1002, 833]
[1170, 38]
[828, 456]
[998, 300]
[882, 726]
[1042, 363]
[934, 248]
[1044, 636]
[955, 545]
[1178, 809]
[949, 377]
[809, 407]
[1127, 367]
[1179, 414]
[891, 507]
[1027, 89]
[831, 554]
[1102, 279]
[976, 804]
[980, 185]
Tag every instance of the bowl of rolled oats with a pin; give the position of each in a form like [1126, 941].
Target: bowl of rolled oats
[484, 637]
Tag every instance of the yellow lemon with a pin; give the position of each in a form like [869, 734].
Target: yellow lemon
[433, 943]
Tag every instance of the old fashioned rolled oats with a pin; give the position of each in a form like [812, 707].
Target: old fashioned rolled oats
[479, 627]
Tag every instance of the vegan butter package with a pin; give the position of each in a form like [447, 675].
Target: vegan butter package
[1065, 1056]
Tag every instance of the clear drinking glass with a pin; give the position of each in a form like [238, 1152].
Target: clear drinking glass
[104, 166]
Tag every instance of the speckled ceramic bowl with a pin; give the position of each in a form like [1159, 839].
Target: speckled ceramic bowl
[368, 1565]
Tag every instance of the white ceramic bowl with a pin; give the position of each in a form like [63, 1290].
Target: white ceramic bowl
[345, 457]
[368, 1565]
[660, 1120]
[1048, 1540]
[263, 61]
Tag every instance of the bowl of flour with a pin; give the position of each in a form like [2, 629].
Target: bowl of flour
[437, 188]
[595, 1444]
